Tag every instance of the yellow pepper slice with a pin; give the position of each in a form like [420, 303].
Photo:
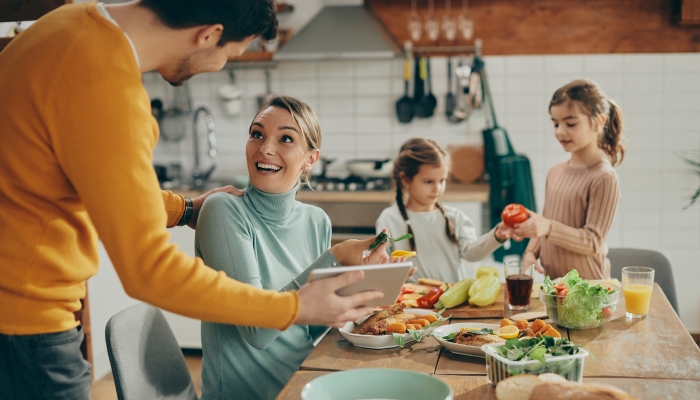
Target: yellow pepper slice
[403, 253]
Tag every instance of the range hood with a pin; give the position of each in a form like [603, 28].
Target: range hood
[340, 32]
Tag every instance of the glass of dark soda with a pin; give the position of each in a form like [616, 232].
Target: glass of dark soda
[519, 278]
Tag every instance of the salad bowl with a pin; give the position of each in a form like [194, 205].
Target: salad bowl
[582, 304]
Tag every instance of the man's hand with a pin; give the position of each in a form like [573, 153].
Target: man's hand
[198, 201]
[534, 227]
[320, 305]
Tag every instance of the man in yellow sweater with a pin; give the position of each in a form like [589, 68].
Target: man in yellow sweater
[76, 143]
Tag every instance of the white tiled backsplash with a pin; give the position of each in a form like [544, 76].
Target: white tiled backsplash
[658, 93]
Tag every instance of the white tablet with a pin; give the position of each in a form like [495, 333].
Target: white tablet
[386, 278]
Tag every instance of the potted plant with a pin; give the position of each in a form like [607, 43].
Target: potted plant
[692, 158]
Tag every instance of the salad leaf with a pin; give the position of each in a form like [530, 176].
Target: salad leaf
[572, 278]
[548, 286]
[581, 307]
[536, 348]
[415, 334]
[399, 339]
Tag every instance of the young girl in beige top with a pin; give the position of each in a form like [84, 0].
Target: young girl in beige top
[581, 194]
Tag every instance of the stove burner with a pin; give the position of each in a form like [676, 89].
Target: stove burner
[349, 184]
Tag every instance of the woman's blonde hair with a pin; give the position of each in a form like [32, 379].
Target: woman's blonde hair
[593, 102]
[413, 154]
[303, 116]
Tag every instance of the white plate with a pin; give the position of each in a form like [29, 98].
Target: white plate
[462, 349]
[380, 341]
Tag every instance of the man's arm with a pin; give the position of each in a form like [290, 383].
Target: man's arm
[175, 205]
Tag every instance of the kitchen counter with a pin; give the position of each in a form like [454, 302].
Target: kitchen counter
[456, 192]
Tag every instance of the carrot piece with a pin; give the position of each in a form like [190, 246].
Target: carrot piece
[537, 325]
[421, 322]
[522, 324]
[413, 327]
[396, 328]
[430, 317]
[506, 322]
[552, 332]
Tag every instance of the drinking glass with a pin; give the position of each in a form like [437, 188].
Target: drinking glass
[637, 285]
[414, 24]
[519, 284]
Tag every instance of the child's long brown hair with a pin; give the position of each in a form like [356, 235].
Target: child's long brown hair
[593, 102]
[413, 154]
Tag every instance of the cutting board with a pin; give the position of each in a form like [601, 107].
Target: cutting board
[466, 310]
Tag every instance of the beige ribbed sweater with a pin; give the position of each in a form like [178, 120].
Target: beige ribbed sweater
[581, 203]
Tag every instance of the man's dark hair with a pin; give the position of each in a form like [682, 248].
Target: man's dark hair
[240, 18]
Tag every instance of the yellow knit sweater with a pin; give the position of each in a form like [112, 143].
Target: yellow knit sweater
[76, 144]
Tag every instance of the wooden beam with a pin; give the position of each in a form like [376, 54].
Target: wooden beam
[27, 10]
[555, 26]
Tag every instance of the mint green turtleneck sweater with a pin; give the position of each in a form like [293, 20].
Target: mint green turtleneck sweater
[270, 241]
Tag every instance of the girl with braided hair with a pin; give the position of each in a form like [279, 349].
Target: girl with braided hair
[444, 238]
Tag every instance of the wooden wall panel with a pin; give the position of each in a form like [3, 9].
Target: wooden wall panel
[690, 12]
[555, 26]
[27, 10]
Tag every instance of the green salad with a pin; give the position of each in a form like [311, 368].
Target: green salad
[575, 303]
[541, 349]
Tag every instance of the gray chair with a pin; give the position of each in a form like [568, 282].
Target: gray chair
[147, 362]
[663, 274]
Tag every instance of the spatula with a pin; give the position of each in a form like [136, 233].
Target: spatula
[450, 97]
[404, 106]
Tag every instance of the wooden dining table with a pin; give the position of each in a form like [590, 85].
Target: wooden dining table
[650, 358]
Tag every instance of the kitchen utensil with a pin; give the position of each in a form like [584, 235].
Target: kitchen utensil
[232, 96]
[450, 103]
[424, 106]
[377, 383]
[529, 316]
[414, 25]
[475, 95]
[404, 106]
[432, 26]
[461, 111]
[370, 168]
[268, 90]
[431, 97]
[449, 26]
[321, 167]
[418, 84]
[464, 24]
[157, 109]
[173, 125]
[467, 163]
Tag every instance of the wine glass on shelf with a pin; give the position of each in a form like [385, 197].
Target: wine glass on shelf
[414, 25]
[449, 26]
[464, 23]
[432, 26]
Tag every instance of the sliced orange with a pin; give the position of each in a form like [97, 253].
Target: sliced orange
[508, 332]
[403, 253]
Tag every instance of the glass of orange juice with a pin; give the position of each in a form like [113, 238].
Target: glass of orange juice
[637, 284]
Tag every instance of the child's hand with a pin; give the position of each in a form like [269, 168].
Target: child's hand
[504, 232]
[534, 227]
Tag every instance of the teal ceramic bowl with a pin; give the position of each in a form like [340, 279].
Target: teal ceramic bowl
[376, 384]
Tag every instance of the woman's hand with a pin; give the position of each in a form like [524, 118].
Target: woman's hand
[198, 201]
[534, 227]
[352, 252]
[528, 260]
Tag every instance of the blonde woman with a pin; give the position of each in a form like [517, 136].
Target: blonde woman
[267, 239]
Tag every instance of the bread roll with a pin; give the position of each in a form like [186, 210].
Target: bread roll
[576, 391]
[517, 387]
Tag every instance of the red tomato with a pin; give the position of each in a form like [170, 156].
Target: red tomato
[563, 293]
[407, 289]
[514, 214]
[606, 312]
[560, 287]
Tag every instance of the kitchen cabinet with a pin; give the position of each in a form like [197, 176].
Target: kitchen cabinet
[25, 10]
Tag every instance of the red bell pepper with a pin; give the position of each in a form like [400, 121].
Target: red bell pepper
[429, 299]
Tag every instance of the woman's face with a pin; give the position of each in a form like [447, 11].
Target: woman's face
[573, 129]
[277, 152]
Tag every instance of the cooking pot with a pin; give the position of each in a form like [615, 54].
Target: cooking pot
[321, 167]
[371, 168]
